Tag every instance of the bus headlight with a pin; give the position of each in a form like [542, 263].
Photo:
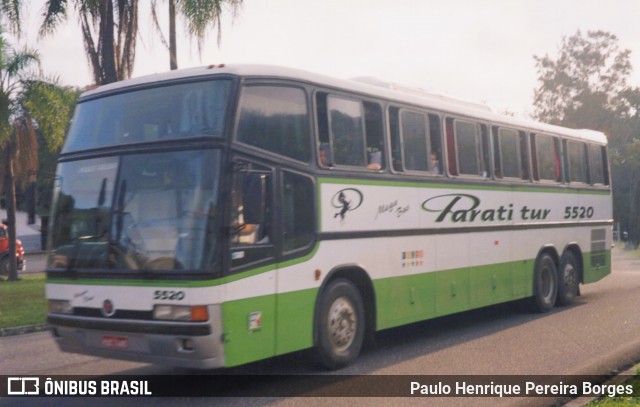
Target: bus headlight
[195, 313]
[60, 307]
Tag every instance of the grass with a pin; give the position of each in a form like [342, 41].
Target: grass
[22, 302]
[621, 401]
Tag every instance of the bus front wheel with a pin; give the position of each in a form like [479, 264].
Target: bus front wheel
[545, 284]
[340, 324]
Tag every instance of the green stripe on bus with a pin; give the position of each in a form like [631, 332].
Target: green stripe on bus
[461, 186]
[187, 284]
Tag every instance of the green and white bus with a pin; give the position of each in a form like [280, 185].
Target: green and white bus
[217, 216]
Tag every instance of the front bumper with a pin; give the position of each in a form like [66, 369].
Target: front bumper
[180, 344]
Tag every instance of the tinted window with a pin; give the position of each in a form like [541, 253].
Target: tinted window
[597, 165]
[251, 215]
[350, 132]
[160, 113]
[298, 216]
[414, 138]
[548, 159]
[469, 147]
[507, 144]
[577, 160]
[346, 120]
[275, 119]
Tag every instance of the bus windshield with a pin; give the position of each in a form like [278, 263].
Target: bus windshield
[167, 112]
[154, 211]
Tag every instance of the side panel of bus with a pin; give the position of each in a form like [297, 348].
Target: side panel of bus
[442, 249]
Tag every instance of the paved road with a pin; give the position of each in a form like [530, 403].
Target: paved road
[36, 262]
[596, 335]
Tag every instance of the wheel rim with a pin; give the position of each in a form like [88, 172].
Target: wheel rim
[341, 324]
[570, 276]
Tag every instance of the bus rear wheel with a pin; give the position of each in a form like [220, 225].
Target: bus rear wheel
[340, 324]
[545, 284]
[568, 279]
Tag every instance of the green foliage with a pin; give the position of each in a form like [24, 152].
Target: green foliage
[22, 302]
[109, 32]
[586, 86]
[589, 71]
[51, 106]
[15, 67]
[198, 15]
[25, 101]
[201, 14]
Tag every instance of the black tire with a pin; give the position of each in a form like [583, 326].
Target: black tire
[545, 284]
[340, 324]
[568, 279]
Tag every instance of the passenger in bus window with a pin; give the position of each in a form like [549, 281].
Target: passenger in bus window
[375, 161]
[434, 166]
[324, 155]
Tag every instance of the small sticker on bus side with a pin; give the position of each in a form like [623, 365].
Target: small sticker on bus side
[255, 321]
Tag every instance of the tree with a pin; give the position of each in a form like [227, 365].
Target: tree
[41, 98]
[10, 12]
[51, 107]
[590, 72]
[199, 15]
[586, 86]
[17, 134]
[109, 30]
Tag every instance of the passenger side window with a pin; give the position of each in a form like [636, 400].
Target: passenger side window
[468, 148]
[275, 118]
[510, 154]
[414, 138]
[546, 151]
[350, 132]
[415, 141]
[346, 121]
[251, 214]
[577, 161]
[598, 165]
[298, 214]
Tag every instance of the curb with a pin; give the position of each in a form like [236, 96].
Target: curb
[620, 378]
[20, 330]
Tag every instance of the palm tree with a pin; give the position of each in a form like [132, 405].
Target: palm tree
[17, 134]
[10, 12]
[109, 30]
[29, 105]
[199, 15]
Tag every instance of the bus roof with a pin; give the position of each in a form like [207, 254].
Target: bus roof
[372, 88]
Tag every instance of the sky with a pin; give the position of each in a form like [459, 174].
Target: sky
[476, 50]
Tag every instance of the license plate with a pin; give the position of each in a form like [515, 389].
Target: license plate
[115, 342]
